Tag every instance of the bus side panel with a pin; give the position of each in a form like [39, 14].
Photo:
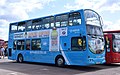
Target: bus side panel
[27, 55]
[76, 57]
[49, 57]
[44, 55]
[41, 56]
[108, 58]
[116, 58]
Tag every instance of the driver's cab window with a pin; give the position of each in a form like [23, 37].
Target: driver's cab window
[78, 43]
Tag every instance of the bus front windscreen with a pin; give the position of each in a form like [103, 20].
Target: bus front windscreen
[94, 32]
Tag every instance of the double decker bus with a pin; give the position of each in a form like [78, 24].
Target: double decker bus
[71, 38]
[112, 40]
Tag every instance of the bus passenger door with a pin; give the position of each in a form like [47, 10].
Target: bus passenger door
[108, 47]
[73, 49]
[78, 50]
[65, 48]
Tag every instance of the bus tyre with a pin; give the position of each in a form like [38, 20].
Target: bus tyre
[60, 62]
[20, 58]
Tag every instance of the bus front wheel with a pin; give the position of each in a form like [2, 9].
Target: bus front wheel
[20, 58]
[60, 61]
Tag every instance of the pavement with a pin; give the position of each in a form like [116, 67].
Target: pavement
[4, 60]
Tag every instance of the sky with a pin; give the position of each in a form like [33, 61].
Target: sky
[19, 10]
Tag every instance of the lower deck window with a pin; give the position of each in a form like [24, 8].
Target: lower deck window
[27, 44]
[20, 44]
[36, 44]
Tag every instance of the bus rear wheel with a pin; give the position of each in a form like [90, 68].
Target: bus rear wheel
[20, 58]
[60, 62]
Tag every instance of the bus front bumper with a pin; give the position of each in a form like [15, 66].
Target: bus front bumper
[96, 60]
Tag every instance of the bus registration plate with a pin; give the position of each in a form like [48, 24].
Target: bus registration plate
[97, 62]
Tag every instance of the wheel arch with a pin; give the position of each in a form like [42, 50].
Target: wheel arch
[20, 54]
[59, 56]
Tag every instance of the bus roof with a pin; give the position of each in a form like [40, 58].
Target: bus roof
[52, 15]
[113, 31]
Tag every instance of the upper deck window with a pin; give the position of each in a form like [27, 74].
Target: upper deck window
[13, 28]
[62, 20]
[48, 22]
[74, 18]
[92, 18]
[21, 26]
[29, 25]
[36, 24]
[93, 22]
[36, 44]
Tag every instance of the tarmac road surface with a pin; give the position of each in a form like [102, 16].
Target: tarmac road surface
[9, 67]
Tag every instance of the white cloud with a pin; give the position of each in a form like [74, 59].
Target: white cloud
[118, 21]
[2, 2]
[4, 28]
[26, 5]
[99, 6]
[104, 5]
[108, 25]
[17, 10]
